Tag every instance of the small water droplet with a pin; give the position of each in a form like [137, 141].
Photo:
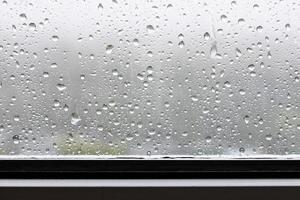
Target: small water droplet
[181, 44]
[206, 36]
[109, 49]
[150, 29]
[287, 27]
[55, 38]
[100, 6]
[246, 119]
[61, 86]
[259, 29]
[32, 26]
[16, 139]
[23, 16]
[238, 52]
[194, 98]
[75, 118]
[208, 139]
[53, 65]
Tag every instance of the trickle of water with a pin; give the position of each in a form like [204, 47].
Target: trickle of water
[213, 50]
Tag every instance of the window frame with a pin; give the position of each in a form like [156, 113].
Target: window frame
[149, 169]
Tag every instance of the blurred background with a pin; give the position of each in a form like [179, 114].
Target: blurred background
[149, 78]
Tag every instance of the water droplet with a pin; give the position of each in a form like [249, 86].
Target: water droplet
[241, 21]
[246, 119]
[180, 36]
[16, 139]
[136, 42]
[223, 18]
[238, 52]
[194, 98]
[53, 65]
[169, 6]
[287, 27]
[109, 49]
[100, 6]
[269, 137]
[16, 118]
[208, 139]
[256, 6]
[149, 69]
[151, 132]
[181, 44]
[242, 92]
[75, 119]
[227, 84]
[23, 16]
[259, 29]
[251, 67]
[55, 38]
[242, 150]
[32, 26]
[150, 29]
[61, 87]
[206, 36]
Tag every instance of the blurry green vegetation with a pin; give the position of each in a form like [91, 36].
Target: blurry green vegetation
[77, 146]
[4, 151]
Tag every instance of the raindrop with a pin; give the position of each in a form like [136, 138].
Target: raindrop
[109, 49]
[150, 29]
[259, 28]
[206, 36]
[287, 27]
[23, 16]
[181, 44]
[16, 139]
[100, 6]
[246, 119]
[53, 65]
[61, 87]
[75, 119]
[194, 98]
[55, 38]
[32, 26]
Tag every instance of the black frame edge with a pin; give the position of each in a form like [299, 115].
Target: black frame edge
[139, 169]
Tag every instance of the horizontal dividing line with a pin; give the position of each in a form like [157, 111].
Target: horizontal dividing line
[150, 183]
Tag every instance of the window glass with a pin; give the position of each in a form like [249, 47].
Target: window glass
[110, 78]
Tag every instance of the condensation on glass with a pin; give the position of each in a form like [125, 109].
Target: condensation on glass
[212, 78]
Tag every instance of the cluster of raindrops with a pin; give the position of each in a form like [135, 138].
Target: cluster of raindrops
[143, 78]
